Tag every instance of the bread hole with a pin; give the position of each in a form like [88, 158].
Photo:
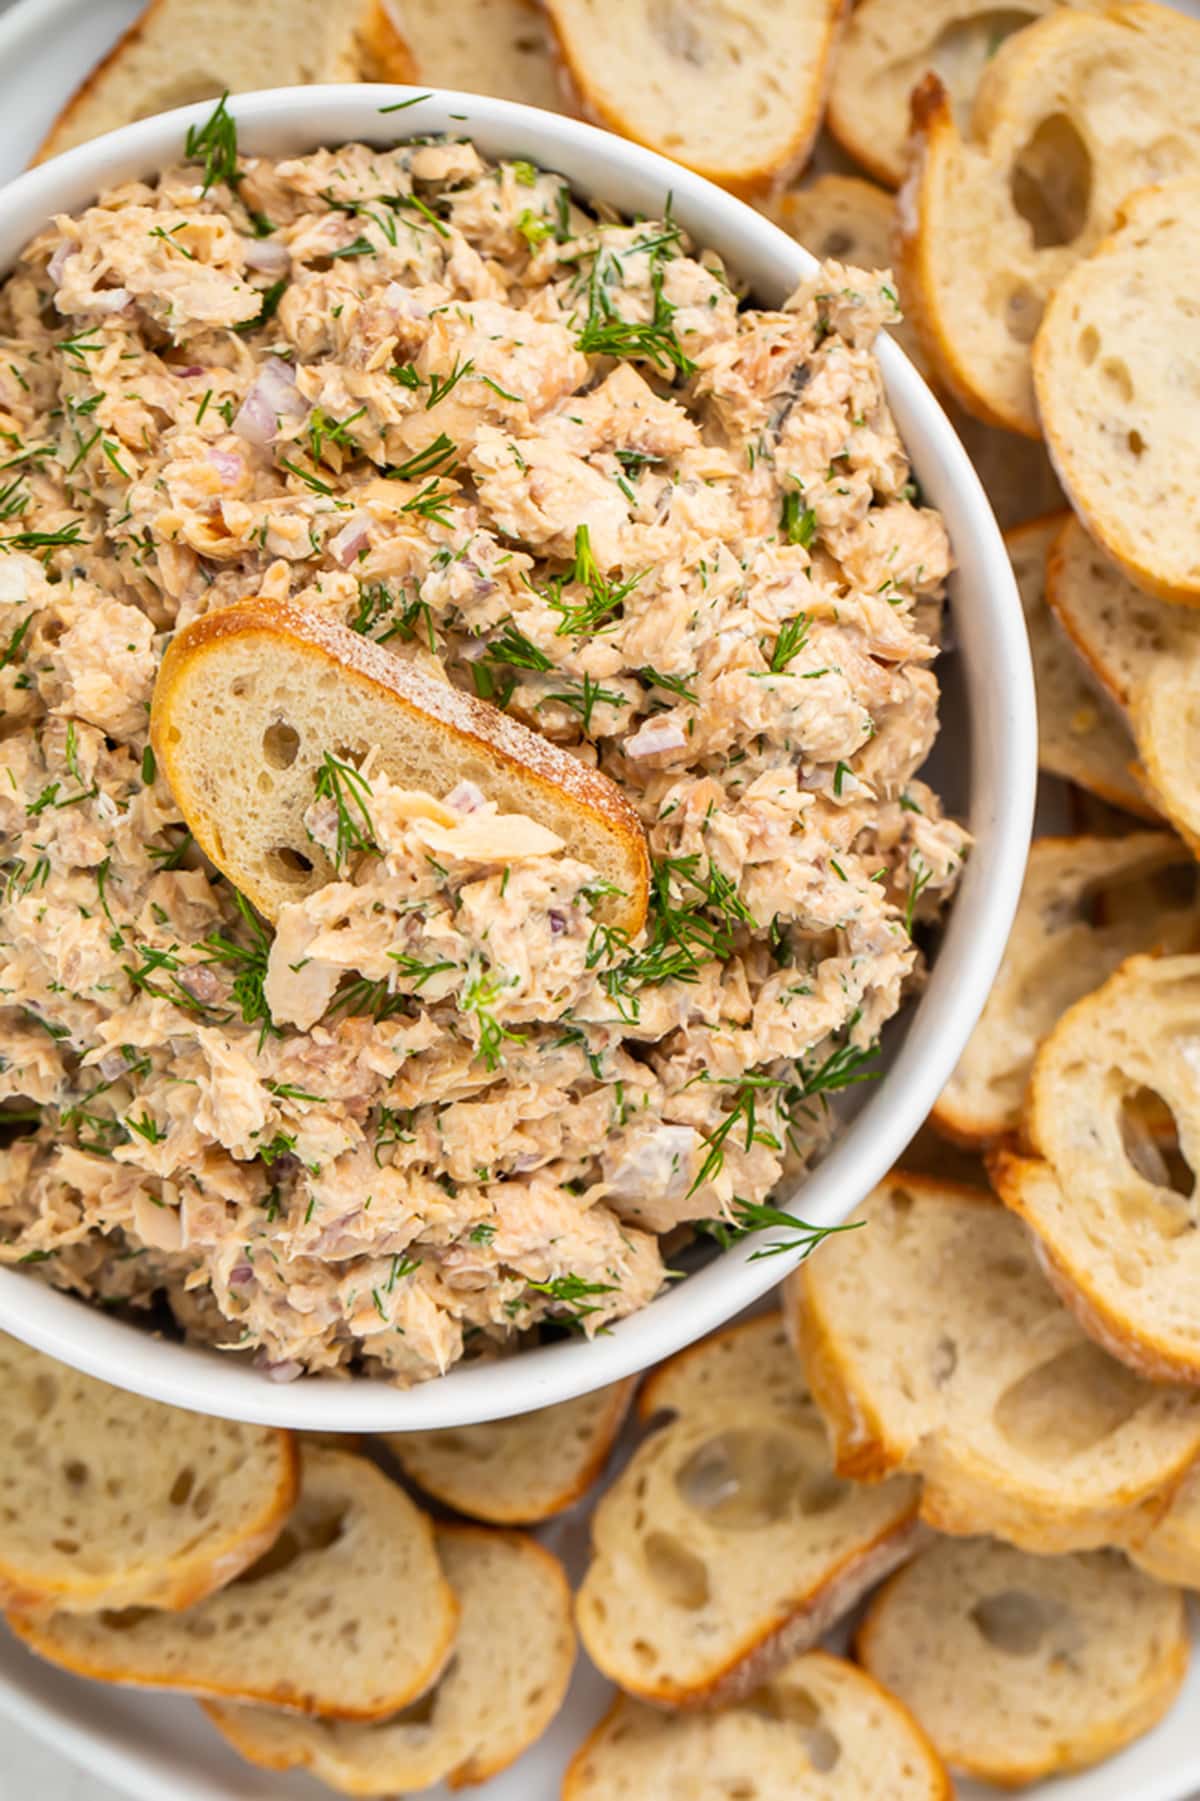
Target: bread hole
[76, 1473]
[963, 50]
[821, 1493]
[837, 245]
[289, 865]
[1069, 1404]
[901, 1203]
[1051, 182]
[1150, 1137]
[1012, 1622]
[181, 1488]
[241, 685]
[744, 1478]
[199, 1627]
[1116, 372]
[1023, 308]
[313, 1526]
[645, 1653]
[126, 1619]
[1089, 345]
[944, 1361]
[1135, 443]
[202, 1501]
[799, 1708]
[678, 31]
[281, 744]
[677, 1573]
[68, 1546]
[44, 1389]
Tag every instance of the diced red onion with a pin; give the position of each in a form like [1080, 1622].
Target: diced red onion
[192, 369]
[347, 543]
[267, 254]
[465, 797]
[525, 1162]
[271, 397]
[201, 983]
[240, 1275]
[654, 738]
[284, 1372]
[558, 923]
[54, 268]
[227, 463]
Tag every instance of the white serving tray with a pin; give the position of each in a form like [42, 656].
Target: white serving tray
[158, 1748]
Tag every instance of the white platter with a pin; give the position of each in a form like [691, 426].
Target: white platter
[161, 1749]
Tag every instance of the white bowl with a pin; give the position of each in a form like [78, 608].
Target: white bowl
[985, 767]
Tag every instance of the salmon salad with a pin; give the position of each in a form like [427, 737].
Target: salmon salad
[440, 1107]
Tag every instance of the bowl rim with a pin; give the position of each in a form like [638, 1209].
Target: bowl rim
[1003, 737]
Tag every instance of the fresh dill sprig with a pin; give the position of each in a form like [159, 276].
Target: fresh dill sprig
[383, 615]
[798, 524]
[271, 297]
[743, 1115]
[606, 333]
[349, 791]
[58, 540]
[323, 430]
[582, 618]
[916, 888]
[478, 996]
[249, 964]
[519, 652]
[793, 636]
[441, 385]
[749, 1217]
[430, 503]
[584, 697]
[672, 684]
[573, 1294]
[422, 972]
[215, 145]
[443, 450]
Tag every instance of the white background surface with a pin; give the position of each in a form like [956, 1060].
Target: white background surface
[43, 48]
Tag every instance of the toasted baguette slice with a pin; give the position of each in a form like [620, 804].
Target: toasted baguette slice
[1019, 1425]
[498, 47]
[1024, 1667]
[1170, 1551]
[347, 1615]
[992, 220]
[1120, 632]
[250, 698]
[1107, 363]
[1116, 1218]
[728, 1543]
[109, 1500]
[712, 87]
[888, 45]
[518, 1471]
[1086, 905]
[1166, 730]
[819, 1731]
[179, 51]
[505, 1683]
[1081, 736]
